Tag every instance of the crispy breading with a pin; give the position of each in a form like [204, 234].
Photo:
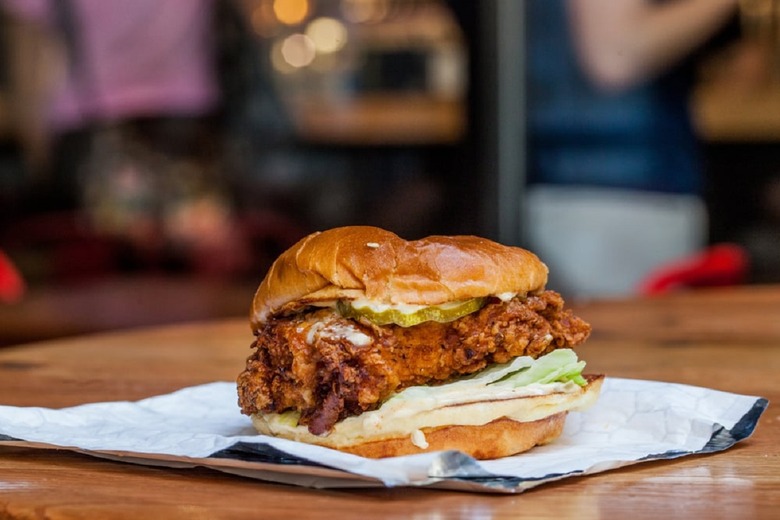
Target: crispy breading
[328, 367]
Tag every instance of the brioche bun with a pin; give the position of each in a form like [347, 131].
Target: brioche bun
[363, 262]
[486, 429]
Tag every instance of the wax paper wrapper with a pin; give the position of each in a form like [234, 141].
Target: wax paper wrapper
[633, 421]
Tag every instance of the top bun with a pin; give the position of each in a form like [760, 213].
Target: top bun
[363, 262]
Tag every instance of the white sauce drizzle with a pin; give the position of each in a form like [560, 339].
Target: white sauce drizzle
[333, 330]
[419, 440]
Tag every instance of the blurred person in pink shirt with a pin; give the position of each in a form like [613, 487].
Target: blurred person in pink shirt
[115, 106]
[129, 58]
[98, 62]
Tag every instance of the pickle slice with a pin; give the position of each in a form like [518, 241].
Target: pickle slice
[441, 313]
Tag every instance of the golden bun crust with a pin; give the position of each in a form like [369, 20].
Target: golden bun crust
[500, 438]
[363, 262]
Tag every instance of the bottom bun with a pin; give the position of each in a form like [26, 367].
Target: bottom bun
[496, 439]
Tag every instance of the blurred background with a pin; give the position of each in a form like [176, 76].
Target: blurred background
[157, 155]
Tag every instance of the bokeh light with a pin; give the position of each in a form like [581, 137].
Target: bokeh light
[264, 21]
[291, 12]
[364, 11]
[298, 50]
[328, 35]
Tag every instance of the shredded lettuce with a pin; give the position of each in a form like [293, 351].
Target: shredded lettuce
[289, 418]
[560, 365]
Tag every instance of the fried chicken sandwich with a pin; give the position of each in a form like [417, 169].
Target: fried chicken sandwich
[378, 346]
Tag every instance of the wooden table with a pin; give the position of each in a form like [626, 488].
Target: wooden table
[120, 302]
[724, 339]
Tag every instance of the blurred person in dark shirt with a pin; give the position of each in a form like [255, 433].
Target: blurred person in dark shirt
[614, 167]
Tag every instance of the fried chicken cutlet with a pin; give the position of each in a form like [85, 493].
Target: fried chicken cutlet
[330, 367]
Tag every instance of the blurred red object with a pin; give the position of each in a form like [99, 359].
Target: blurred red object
[12, 286]
[718, 265]
[60, 246]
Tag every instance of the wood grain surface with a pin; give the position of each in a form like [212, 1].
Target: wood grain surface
[723, 339]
